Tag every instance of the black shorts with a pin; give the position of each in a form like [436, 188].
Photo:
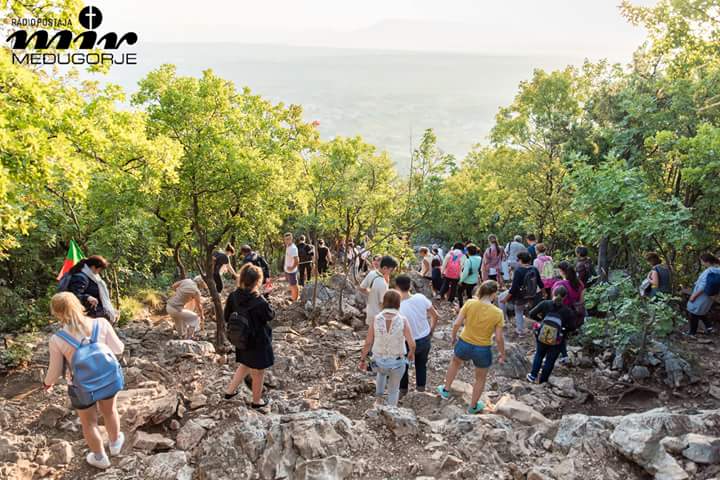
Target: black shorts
[77, 404]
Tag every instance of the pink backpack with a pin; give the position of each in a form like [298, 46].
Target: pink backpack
[453, 267]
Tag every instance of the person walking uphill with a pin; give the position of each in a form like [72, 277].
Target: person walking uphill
[470, 273]
[306, 254]
[292, 260]
[480, 319]
[451, 269]
[97, 375]
[525, 286]
[417, 308]
[220, 264]
[88, 286]
[659, 279]
[388, 334]
[375, 284]
[555, 320]
[706, 289]
[247, 306]
[492, 261]
[187, 320]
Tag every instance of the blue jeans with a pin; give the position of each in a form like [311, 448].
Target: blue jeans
[389, 373]
[519, 314]
[422, 351]
[550, 354]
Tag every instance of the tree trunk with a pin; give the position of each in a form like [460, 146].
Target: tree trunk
[604, 259]
[207, 275]
[182, 272]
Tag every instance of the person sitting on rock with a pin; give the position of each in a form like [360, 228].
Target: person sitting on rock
[480, 319]
[259, 352]
[76, 325]
[187, 294]
[388, 335]
[551, 314]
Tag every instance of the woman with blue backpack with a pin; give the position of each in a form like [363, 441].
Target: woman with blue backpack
[554, 320]
[89, 346]
[706, 288]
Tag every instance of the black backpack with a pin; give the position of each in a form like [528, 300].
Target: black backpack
[529, 286]
[550, 331]
[64, 284]
[239, 330]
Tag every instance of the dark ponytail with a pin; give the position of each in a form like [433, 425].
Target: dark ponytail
[559, 295]
[570, 274]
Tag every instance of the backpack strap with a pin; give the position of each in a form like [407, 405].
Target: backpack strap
[69, 339]
[95, 331]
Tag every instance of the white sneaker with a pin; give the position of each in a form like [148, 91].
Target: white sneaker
[116, 446]
[101, 464]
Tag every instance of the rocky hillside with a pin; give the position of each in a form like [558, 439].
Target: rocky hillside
[597, 419]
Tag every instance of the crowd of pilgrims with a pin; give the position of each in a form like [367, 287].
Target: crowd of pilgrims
[519, 288]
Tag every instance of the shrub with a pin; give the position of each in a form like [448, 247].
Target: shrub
[627, 318]
[18, 352]
[130, 309]
[153, 299]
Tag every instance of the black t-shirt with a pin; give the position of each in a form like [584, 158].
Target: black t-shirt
[519, 280]
[323, 253]
[220, 260]
[305, 251]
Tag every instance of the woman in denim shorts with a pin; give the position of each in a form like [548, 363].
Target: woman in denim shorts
[480, 319]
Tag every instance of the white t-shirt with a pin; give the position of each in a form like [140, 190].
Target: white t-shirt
[290, 253]
[375, 282]
[415, 309]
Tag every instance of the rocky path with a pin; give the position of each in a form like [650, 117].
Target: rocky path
[322, 424]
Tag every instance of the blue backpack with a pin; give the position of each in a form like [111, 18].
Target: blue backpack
[712, 284]
[96, 372]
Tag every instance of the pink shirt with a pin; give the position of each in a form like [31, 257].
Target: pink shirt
[573, 296]
[60, 350]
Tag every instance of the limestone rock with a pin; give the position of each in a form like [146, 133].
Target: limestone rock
[516, 410]
[59, 453]
[701, 448]
[151, 441]
[516, 363]
[190, 435]
[176, 348]
[52, 415]
[564, 386]
[333, 467]
[639, 372]
[167, 466]
[400, 421]
[142, 406]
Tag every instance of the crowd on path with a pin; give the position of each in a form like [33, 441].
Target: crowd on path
[400, 324]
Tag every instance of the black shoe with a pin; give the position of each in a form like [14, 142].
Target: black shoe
[228, 396]
[709, 331]
[259, 406]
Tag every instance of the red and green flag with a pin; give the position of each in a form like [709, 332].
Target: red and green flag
[74, 255]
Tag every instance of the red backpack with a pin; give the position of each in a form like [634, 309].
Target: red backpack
[453, 267]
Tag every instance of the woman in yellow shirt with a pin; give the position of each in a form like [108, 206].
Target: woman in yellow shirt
[480, 319]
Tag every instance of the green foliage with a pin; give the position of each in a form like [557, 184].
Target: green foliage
[18, 352]
[153, 299]
[130, 309]
[627, 319]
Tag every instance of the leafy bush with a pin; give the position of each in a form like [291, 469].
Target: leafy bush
[22, 314]
[151, 298]
[18, 353]
[624, 318]
[130, 309]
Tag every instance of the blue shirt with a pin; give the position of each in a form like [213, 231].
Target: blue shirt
[702, 304]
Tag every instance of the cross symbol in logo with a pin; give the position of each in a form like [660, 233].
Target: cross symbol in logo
[90, 17]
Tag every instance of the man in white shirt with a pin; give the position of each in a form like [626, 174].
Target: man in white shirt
[292, 260]
[417, 308]
[375, 284]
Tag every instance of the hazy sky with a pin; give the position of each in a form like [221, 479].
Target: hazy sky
[592, 28]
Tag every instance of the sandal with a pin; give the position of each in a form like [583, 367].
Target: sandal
[228, 396]
[259, 406]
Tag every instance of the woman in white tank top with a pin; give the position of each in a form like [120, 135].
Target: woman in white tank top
[387, 335]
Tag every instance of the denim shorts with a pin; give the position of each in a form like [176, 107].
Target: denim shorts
[481, 356]
[291, 278]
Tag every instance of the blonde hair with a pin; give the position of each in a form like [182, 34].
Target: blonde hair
[487, 288]
[67, 308]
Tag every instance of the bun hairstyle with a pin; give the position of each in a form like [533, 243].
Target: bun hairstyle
[487, 288]
[540, 248]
